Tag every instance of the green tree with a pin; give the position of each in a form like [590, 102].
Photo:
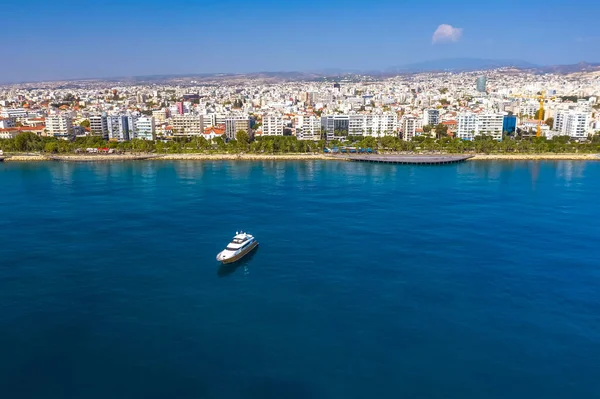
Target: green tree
[85, 123]
[243, 139]
[550, 122]
[51, 147]
[441, 130]
[27, 141]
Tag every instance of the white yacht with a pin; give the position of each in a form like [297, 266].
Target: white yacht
[241, 245]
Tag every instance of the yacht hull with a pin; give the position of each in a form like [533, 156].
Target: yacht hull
[239, 256]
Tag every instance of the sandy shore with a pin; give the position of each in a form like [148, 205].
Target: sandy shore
[536, 157]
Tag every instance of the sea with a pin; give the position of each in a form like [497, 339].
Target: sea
[474, 280]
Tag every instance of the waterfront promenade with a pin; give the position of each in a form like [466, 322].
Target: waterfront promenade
[388, 158]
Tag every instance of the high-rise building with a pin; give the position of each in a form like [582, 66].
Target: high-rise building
[431, 117]
[160, 115]
[308, 127]
[118, 127]
[180, 109]
[210, 120]
[335, 125]
[59, 126]
[272, 125]
[132, 124]
[572, 123]
[470, 125]
[466, 126]
[490, 124]
[509, 124]
[99, 125]
[481, 84]
[234, 124]
[7, 123]
[14, 113]
[409, 127]
[144, 128]
[188, 125]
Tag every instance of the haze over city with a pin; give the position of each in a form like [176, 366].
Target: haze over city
[70, 39]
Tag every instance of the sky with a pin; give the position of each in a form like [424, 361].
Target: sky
[65, 39]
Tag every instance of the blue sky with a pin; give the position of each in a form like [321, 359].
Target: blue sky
[67, 39]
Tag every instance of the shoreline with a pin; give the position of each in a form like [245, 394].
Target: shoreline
[276, 157]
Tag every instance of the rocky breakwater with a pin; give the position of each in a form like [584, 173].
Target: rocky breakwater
[101, 157]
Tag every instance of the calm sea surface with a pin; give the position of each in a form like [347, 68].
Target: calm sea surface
[478, 280]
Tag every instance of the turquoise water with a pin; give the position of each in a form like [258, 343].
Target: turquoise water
[478, 280]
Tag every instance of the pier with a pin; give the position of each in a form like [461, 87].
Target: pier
[407, 159]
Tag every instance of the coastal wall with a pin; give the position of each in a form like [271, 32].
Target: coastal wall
[243, 157]
[536, 157]
[277, 157]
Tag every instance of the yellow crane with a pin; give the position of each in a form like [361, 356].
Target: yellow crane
[541, 98]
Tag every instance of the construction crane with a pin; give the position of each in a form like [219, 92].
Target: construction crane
[541, 98]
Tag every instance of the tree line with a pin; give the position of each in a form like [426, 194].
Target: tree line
[30, 142]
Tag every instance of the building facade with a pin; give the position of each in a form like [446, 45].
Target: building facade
[308, 127]
[431, 117]
[145, 128]
[7, 123]
[509, 125]
[409, 127]
[272, 125]
[490, 124]
[481, 84]
[60, 126]
[235, 124]
[470, 125]
[466, 126]
[187, 125]
[118, 127]
[99, 125]
[572, 123]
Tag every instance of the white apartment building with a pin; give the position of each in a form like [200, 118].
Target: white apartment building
[99, 125]
[132, 125]
[144, 128]
[529, 109]
[376, 125]
[188, 125]
[431, 117]
[572, 123]
[308, 127]
[272, 125]
[384, 124]
[118, 127]
[59, 126]
[7, 123]
[210, 120]
[159, 115]
[470, 125]
[466, 126]
[14, 113]
[409, 127]
[490, 124]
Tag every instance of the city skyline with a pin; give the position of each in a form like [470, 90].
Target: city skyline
[68, 40]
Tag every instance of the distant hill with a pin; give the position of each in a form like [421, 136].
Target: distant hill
[459, 65]
[572, 68]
